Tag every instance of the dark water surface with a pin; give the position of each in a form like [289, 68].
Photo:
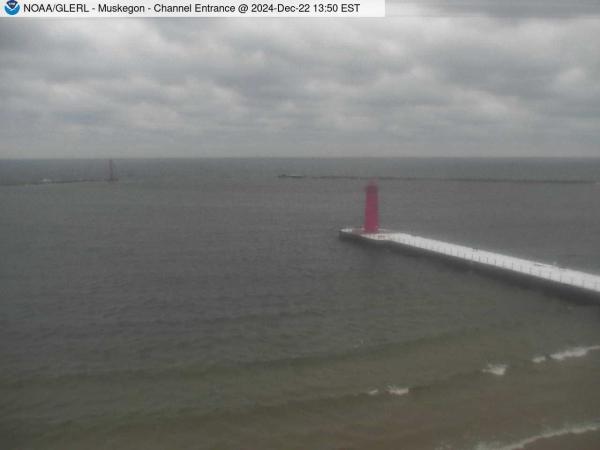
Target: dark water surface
[208, 304]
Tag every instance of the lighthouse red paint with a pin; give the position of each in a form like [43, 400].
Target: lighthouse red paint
[371, 208]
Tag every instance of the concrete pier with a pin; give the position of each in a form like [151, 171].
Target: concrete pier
[532, 272]
[549, 277]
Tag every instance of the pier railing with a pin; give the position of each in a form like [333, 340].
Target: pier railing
[531, 268]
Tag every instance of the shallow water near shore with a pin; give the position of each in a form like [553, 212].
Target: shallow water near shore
[209, 304]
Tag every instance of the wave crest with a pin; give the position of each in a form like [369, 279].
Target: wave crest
[522, 444]
[573, 352]
[395, 390]
[495, 369]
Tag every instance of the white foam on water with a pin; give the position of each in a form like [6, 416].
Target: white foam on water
[373, 391]
[538, 359]
[522, 444]
[574, 352]
[395, 390]
[495, 369]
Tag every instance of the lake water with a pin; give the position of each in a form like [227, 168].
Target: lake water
[209, 304]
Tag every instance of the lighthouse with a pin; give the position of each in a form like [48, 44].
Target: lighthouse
[111, 171]
[371, 208]
[549, 277]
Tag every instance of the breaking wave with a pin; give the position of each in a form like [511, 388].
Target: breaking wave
[395, 390]
[522, 444]
[495, 369]
[390, 389]
[574, 352]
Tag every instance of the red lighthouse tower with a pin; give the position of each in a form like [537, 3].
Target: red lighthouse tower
[371, 208]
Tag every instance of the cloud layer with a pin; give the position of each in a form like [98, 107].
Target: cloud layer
[428, 80]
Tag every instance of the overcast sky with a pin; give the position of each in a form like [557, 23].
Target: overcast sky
[434, 78]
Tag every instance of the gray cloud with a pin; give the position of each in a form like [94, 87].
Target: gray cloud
[518, 9]
[411, 85]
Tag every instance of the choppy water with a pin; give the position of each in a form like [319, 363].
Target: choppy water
[201, 304]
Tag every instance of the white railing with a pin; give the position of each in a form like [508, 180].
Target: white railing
[508, 263]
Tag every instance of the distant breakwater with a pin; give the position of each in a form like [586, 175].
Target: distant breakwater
[46, 181]
[445, 179]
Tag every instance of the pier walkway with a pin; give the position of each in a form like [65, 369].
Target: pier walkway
[536, 271]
